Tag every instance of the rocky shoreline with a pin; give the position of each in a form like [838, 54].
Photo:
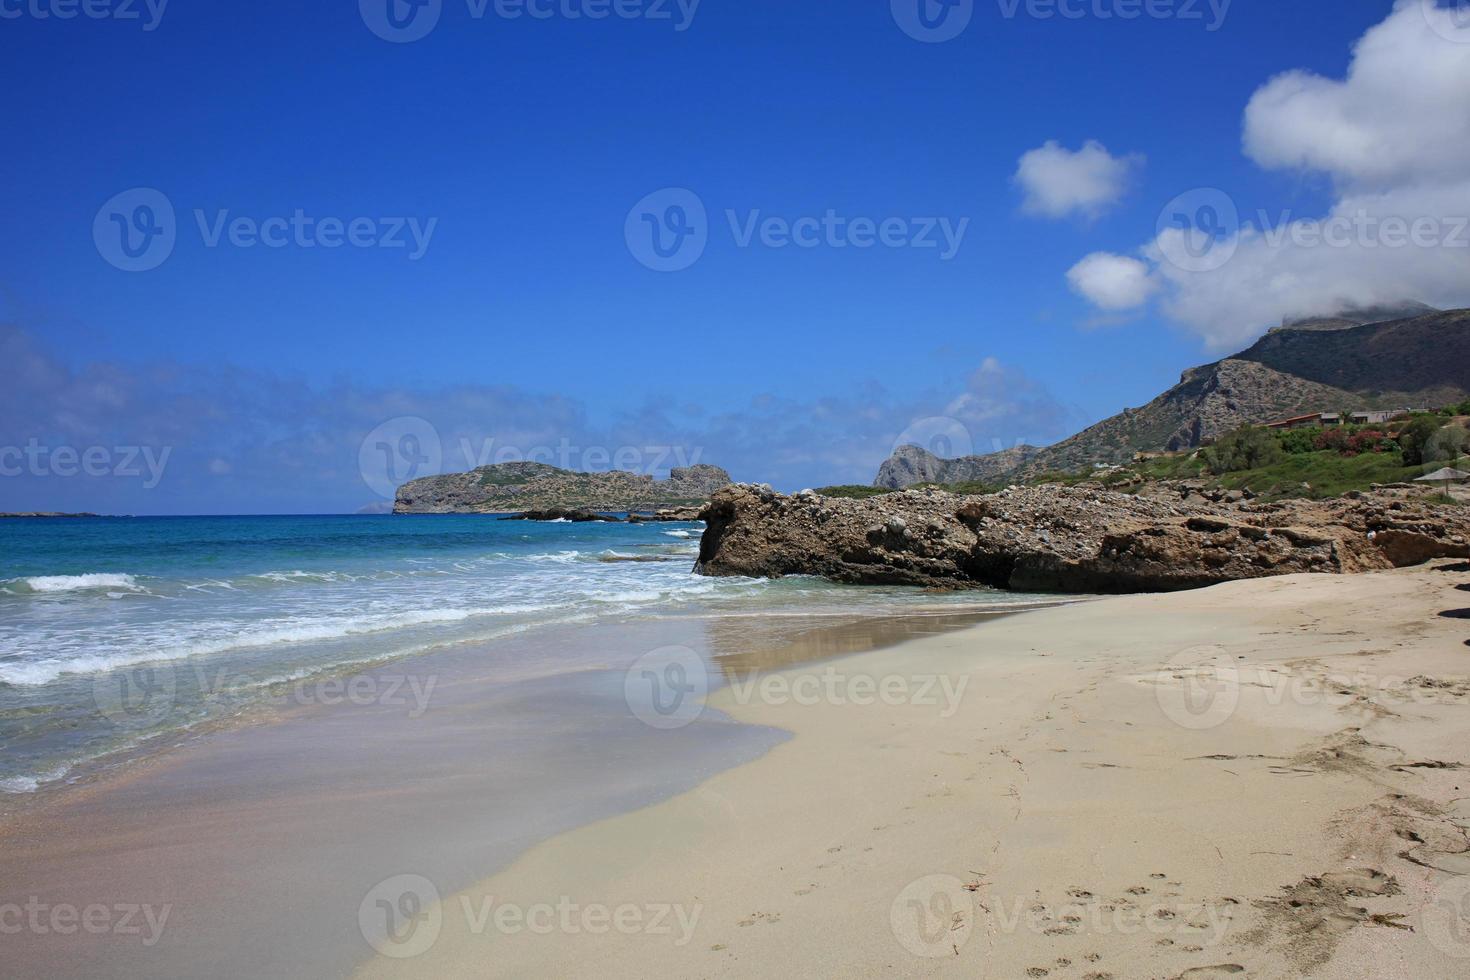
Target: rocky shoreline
[1069, 539]
[668, 515]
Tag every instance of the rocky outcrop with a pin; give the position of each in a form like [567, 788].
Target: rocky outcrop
[911, 465]
[667, 515]
[1066, 539]
[562, 514]
[1423, 360]
[510, 488]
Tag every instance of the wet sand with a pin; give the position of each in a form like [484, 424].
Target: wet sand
[252, 849]
[1263, 779]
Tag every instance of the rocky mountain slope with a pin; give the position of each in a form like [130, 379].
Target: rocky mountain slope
[510, 488]
[910, 465]
[1325, 364]
[1069, 539]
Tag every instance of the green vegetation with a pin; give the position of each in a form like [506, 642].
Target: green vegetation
[1273, 464]
[490, 478]
[1321, 474]
[853, 492]
[968, 488]
[1246, 448]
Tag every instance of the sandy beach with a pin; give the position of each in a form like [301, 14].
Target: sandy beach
[1260, 779]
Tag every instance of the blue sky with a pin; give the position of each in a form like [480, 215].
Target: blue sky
[527, 319]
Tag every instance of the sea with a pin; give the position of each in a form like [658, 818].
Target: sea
[116, 632]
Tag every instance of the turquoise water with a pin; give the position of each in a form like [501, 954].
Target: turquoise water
[116, 630]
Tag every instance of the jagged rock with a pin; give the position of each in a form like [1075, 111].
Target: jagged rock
[1065, 539]
[562, 514]
[910, 465]
[667, 515]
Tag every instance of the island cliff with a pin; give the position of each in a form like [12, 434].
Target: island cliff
[510, 488]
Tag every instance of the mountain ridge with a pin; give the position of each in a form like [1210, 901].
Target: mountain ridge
[1418, 361]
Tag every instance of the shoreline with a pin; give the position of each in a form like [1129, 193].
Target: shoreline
[1259, 779]
[324, 802]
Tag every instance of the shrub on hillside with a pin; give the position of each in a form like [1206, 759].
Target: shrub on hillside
[1447, 445]
[1417, 439]
[1333, 439]
[1298, 441]
[1246, 448]
[1368, 441]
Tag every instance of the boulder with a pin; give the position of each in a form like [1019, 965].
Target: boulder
[1064, 539]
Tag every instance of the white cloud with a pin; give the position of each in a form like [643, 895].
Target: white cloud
[1112, 282]
[1058, 182]
[1393, 136]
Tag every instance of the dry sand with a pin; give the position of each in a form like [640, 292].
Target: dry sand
[1260, 779]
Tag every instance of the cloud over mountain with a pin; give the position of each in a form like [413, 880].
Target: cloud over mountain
[1392, 137]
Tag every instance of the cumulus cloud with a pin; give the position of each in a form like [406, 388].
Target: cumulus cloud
[1392, 136]
[1112, 282]
[223, 440]
[1058, 182]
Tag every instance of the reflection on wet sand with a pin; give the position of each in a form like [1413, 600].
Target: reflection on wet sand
[741, 647]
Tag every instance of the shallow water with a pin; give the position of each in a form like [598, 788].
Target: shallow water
[115, 632]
